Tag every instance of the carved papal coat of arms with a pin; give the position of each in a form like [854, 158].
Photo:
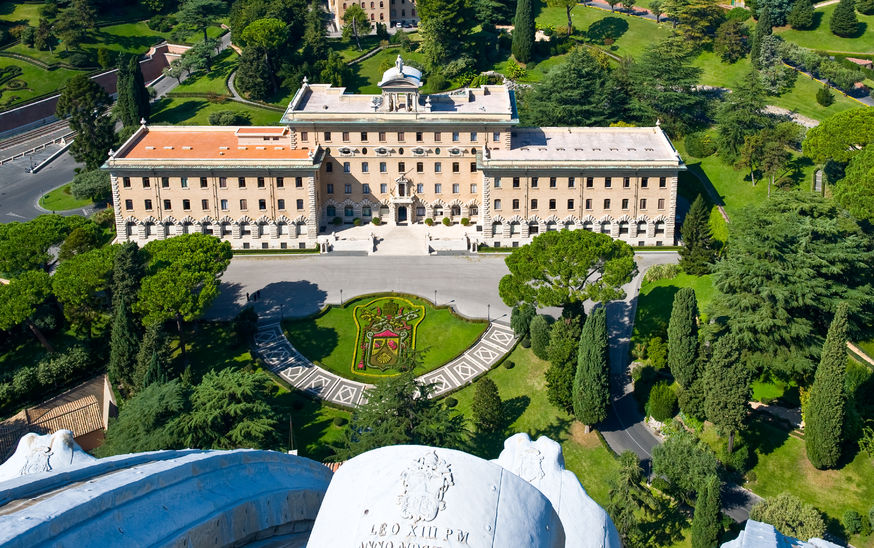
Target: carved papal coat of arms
[425, 482]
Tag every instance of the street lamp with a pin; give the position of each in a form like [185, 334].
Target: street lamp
[489, 312]
[435, 297]
[341, 297]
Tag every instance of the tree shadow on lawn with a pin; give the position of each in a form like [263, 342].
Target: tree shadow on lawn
[606, 29]
[311, 340]
[818, 17]
[308, 427]
[763, 438]
[295, 299]
[488, 445]
[654, 312]
[695, 169]
[138, 43]
[179, 113]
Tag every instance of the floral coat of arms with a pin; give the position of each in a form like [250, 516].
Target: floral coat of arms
[386, 330]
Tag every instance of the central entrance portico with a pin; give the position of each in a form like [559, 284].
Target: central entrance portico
[402, 214]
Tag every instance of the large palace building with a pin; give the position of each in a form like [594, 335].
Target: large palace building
[401, 156]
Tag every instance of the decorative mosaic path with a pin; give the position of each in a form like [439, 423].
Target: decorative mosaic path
[284, 360]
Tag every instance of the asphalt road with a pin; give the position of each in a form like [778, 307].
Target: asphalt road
[20, 191]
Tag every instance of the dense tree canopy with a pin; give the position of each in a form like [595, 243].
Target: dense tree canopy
[791, 261]
[564, 339]
[148, 421]
[84, 102]
[444, 26]
[199, 14]
[789, 515]
[685, 462]
[591, 383]
[82, 285]
[841, 136]
[25, 246]
[565, 266]
[20, 299]
[727, 388]
[855, 192]
[683, 337]
[742, 115]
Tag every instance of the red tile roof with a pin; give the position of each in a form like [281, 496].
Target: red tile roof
[218, 143]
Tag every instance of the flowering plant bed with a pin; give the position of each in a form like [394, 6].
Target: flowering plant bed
[386, 329]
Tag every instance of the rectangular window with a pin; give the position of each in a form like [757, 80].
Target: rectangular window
[498, 204]
[401, 136]
[497, 182]
[534, 203]
[456, 188]
[590, 182]
[260, 182]
[366, 212]
[184, 182]
[570, 203]
[624, 203]
[643, 203]
[515, 182]
[364, 136]
[420, 167]
[473, 188]
[280, 182]
[347, 167]
[262, 205]
[330, 188]
[534, 181]
[203, 182]
[588, 203]
[473, 136]
[381, 136]
[552, 182]
[418, 136]
[608, 182]
[473, 167]
[224, 204]
[454, 136]
[347, 189]
[570, 182]
[515, 203]
[438, 167]
[146, 183]
[663, 182]
[552, 203]
[365, 167]
[167, 204]
[383, 188]
[148, 205]
[606, 203]
[299, 204]
[456, 167]
[438, 188]
[496, 136]
[128, 204]
[165, 182]
[365, 188]
[626, 182]
[223, 182]
[402, 166]
[304, 136]
[661, 203]
[329, 167]
[244, 205]
[644, 181]
[204, 204]
[327, 136]
[345, 136]
[437, 136]
[420, 188]
[383, 167]
[125, 182]
[280, 204]
[241, 182]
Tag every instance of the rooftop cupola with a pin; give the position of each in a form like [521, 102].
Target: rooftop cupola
[400, 87]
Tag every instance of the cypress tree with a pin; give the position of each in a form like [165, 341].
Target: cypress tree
[697, 253]
[132, 103]
[315, 38]
[140, 92]
[727, 388]
[520, 318]
[705, 523]
[683, 337]
[591, 394]
[844, 22]
[123, 346]
[801, 15]
[764, 27]
[127, 272]
[825, 408]
[153, 357]
[523, 32]
[487, 407]
[564, 340]
[539, 336]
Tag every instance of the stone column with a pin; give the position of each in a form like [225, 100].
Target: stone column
[392, 214]
[312, 210]
[541, 226]
[614, 229]
[650, 229]
[525, 229]
[273, 227]
[485, 215]
[236, 231]
[507, 226]
[465, 211]
[292, 231]
[256, 230]
[141, 232]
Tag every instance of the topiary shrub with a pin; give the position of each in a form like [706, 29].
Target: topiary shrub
[377, 221]
[662, 404]
[657, 351]
[447, 221]
[340, 421]
[81, 60]
[429, 221]
[465, 221]
[852, 522]
[824, 96]
[451, 402]
[509, 364]
[741, 14]
[356, 222]
[337, 221]
[699, 144]
[525, 342]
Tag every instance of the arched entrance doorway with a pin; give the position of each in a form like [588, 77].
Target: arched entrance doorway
[402, 214]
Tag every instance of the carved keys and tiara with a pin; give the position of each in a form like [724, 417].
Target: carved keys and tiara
[425, 482]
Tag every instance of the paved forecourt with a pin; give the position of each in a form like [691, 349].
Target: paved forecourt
[284, 360]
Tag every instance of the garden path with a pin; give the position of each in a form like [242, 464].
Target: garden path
[284, 360]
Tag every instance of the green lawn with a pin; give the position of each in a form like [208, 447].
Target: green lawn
[523, 390]
[867, 347]
[195, 111]
[214, 80]
[783, 467]
[657, 298]
[20, 14]
[37, 81]
[821, 38]
[349, 50]
[368, 72]
[61, 199]
[330, 338]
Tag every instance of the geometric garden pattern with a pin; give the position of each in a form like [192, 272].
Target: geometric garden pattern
[284, 360]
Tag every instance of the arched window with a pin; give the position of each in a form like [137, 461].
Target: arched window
[372, 17]
[365, 211]
[348, 211]
[438, 211]
[372, 5]
[344, 5]
[332, 211]
[605, 227]
[474, 210]
[623, 228]
[641, 227]
[587, 226]
[660, 227]
[455, 211]
[381, 16]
